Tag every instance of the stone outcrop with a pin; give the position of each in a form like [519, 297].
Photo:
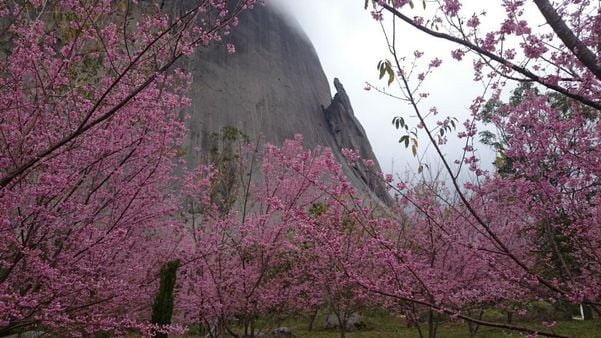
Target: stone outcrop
[274, 87]
[352, 323]
[348, 133]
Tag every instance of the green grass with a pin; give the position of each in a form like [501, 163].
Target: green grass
[389, 326]
[380, 325]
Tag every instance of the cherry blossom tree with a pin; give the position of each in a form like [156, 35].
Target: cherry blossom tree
[90, 208]
[268, 254]
[88, 142]
[534, 226]
[339, 244]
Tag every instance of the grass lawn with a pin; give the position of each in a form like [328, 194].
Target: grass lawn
[387, 326]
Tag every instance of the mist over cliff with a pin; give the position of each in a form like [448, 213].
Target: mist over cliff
[274, 87]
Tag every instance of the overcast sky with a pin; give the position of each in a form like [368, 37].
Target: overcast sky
[350, 44]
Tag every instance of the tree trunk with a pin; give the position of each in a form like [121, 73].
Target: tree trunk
[312, 317]
[588, 312]
[473, 327]
[162, 308]
[432, 324]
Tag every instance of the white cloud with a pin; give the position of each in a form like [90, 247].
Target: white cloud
[350, 44]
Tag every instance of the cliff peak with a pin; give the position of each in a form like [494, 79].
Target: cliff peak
[274, 87]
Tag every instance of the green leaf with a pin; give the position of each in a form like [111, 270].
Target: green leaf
[398, 122]
[366, 3]
[424, 3]
[390, 75]
[385, 67]
[405, 139]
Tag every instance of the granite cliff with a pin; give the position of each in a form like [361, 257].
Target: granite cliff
[274, 86]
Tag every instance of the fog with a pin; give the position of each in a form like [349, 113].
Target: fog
[350, 44]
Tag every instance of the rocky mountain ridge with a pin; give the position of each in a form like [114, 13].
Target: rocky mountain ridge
[274, 87]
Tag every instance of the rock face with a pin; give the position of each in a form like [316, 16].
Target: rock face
[353, 322]
[282, 332]
[273, 86]
[348, 133]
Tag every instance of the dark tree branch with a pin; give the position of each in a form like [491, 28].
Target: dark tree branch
[525, 72]
[569, 39]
